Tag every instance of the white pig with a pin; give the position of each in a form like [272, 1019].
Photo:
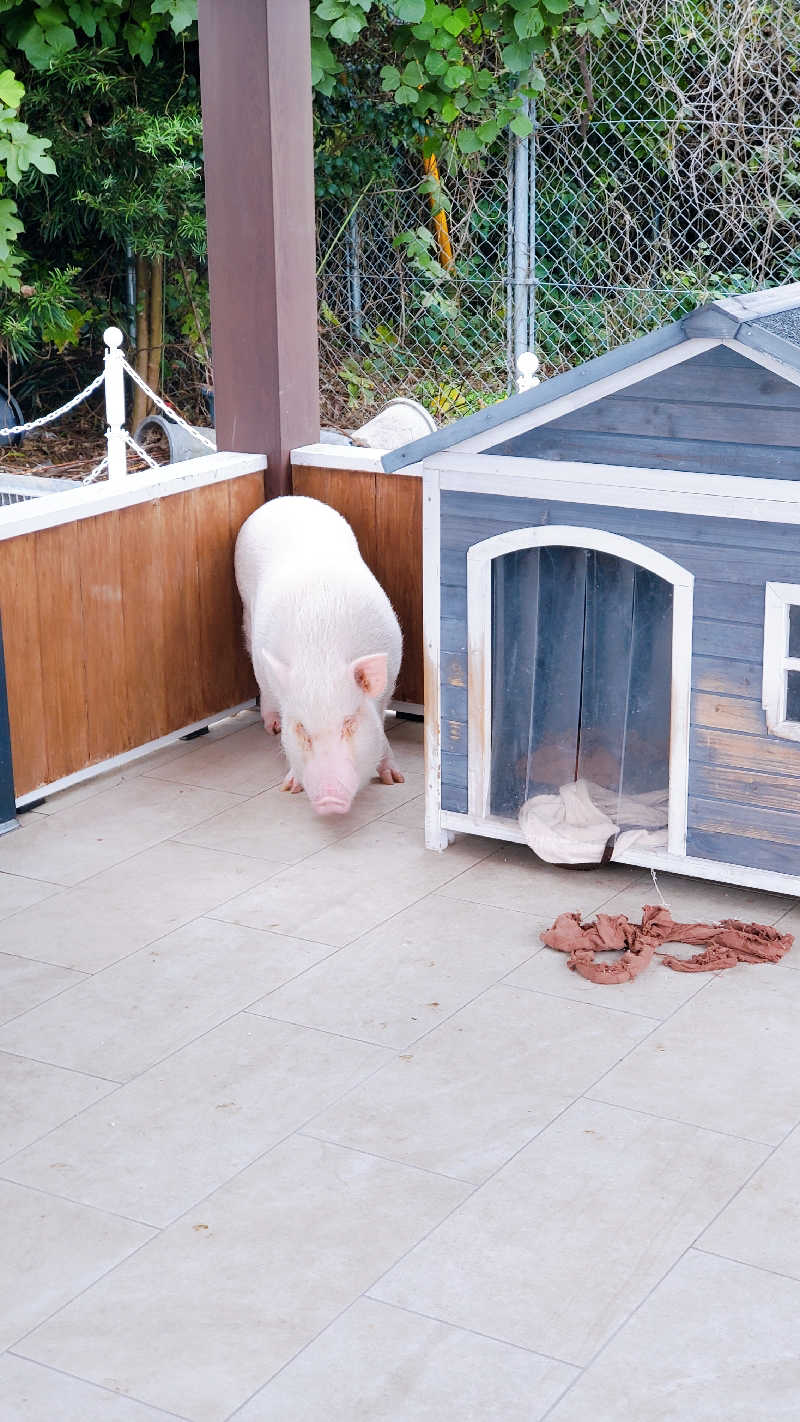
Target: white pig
[325, 645]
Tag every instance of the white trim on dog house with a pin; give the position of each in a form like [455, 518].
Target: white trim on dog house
[480, 558]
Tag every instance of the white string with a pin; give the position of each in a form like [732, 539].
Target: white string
[658, 891]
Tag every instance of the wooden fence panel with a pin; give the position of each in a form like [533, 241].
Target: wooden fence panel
[122, 628]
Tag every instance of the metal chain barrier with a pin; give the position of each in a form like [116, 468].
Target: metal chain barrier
[117, 436]
[55, 414]
[168, 411]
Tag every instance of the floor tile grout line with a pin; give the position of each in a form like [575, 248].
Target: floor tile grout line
[56, 1066]
[573, 1102]
[51, 997]
[579, 1001]
[308, 1135]
[415, 1041]
[118, 1086]
[323, 1031]
[80, 1204]
[296, 1130]
[99, 1387]
[475, 1332]
[691, 1246]
[365, 1295]
[336, 947]
[743, 1263]
[545, 1126]
[679, 1121]
[158, 1231]
[169, 838]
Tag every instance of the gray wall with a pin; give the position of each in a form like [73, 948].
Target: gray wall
[744, 785]
[718, 413]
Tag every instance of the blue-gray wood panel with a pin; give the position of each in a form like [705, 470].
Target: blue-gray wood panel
[742, 849]
[714, 414]
[731, 560]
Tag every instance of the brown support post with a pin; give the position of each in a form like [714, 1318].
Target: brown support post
[255, 73]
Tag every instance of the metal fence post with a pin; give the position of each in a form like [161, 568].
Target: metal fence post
[8, 809]
[115, 405]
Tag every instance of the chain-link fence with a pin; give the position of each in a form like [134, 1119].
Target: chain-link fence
[664, 170]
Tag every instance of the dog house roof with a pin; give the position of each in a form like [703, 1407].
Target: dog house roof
[767, 321]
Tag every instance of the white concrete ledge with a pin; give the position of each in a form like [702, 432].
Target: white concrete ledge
[347, 456]
[86, 501]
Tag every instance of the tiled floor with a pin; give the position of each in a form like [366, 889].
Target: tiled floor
[300, 1121]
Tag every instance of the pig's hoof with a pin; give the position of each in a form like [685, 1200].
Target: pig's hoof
[272, 722]
[388, 774]
[293, 786]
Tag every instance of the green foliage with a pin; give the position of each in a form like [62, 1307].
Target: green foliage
[463, 72]
[45, 33]
[51, 311]
[20, 150]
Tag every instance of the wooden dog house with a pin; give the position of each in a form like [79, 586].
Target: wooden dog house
[612, 598]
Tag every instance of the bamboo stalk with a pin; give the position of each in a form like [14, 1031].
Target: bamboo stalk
[156, 344]
[142, 336]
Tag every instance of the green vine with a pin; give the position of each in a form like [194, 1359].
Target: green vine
[462, 71]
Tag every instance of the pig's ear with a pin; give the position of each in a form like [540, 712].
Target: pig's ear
[370, 673]
[277, 671]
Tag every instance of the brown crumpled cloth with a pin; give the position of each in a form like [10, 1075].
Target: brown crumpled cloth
[724, 944]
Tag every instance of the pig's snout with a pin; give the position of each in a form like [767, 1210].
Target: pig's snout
[332, 803]
[331, 791]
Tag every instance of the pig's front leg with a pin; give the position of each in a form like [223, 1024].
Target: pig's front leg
[272, 720]
[293, 786]
[388, 774]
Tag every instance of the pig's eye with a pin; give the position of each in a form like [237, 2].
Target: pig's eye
[348, 728]
[303, 736]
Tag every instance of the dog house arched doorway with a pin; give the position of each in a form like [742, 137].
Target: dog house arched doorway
[579, 679]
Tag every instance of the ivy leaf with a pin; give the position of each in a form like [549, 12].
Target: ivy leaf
[521, 126]
[435, 63]
[21, 150]
[405, 95]
[323, 65]
[184, 14]
[390, 78]
[487, 132]
[11, 91]
[448, 111]
[331, 9]
[528, 23]
[456, 75]
[10, 227]
[50, 17]
[468, 141]
[556, 7]
[82, 15]
[347, 27]
[457, 21]
[413, 75]
[517, 57]
[409, 11]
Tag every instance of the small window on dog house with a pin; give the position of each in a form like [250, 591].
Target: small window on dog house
[781, 685]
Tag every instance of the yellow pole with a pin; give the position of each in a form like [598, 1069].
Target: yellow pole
[439, 218]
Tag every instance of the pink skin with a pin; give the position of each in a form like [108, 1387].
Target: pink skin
[332, 764]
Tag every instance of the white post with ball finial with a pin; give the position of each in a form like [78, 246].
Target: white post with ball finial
[115, 405]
